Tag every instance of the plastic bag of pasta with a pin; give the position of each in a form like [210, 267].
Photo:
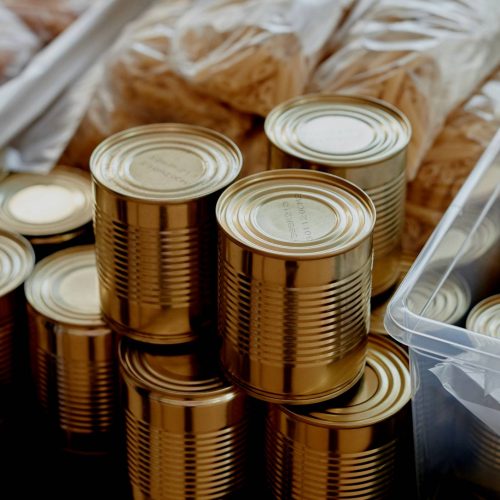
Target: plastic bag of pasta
[140, 85]
[253, 54]
[17, 45]
[423, 56]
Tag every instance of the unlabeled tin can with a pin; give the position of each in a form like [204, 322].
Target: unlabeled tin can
[295, 257]
[72, 351]
[16, 263]
[361, 139]
[186, 425]
[155, 192]
[485, 317]
[350, 446]
[52, 211]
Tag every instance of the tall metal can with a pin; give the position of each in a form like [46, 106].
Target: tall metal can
[52, 211]
[348, 447]
[186, 425]
[73, 352]
[16, 264]
[360, 139]
[295, 258]
[156, 187]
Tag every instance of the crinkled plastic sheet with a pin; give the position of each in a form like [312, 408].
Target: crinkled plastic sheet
[17, 44]
[141, 85]
[254, 54]
[425, 57]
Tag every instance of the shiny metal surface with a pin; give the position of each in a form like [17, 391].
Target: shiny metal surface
[52, 211]
[155, 192]
[186, 425]
[360, 139]
[347, 447]
[295, 256]
[485, 317]
[72, 351]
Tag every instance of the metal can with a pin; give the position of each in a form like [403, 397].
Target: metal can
[52, 211]
[361, 139]
[186, 425]
[16, 263]
[485, 317]
[155, 192]
[73, 352]
[350, 446]
[295, 257]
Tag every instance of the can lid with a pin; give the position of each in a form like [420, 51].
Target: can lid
[338, 130]
[16, 261]
[166, 162]
[485, 317]
[64, 287]
[43, 205]
[177, 374]
[296, 213]
[445, 301]
[383, 390]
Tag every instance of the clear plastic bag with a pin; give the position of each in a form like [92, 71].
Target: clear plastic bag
[425, 57]
[254, 54]
[464, 138]
[17, 44]
[141, 85]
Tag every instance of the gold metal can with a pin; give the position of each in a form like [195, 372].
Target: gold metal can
[347, 447]
[155, 192]
[360, 139]
[16, 263]
[186, 425]
[485, 317]
[72, 351]
[52, 211]
[295, 257]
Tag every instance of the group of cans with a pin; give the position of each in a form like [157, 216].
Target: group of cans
[205, 291]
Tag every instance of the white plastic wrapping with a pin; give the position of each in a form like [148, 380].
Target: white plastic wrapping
[423, 56]
[254, 54]
[141, 85]
[17, 44]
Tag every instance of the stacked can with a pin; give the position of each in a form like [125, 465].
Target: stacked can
[351, 446]
[52, 211]
[295, 257]
[155, 191]
[16, 263]
[72, 351]
[484, 318]
[186, 425]
[360, 139]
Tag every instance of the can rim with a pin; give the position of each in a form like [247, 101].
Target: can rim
[102, 158]
[385, 109]
[302, 252]
[16, 263]
[484, 311]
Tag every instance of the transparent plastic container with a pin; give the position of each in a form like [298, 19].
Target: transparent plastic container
[455, 372]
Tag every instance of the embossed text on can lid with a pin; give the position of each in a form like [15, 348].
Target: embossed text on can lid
[338, 130]
[485, 317]
[166, 162]
[448, 304]
[44, 205]
[296, 213]
[383, 390]
[16, 261]
[178, 374]
[64, 287]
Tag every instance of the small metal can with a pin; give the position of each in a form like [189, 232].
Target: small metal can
[360, 139]
[52, 211]
[485, 317]
[16, 263]
[295, 258]
[155, 192]
[72, 351]
[186, 425]
[350, 446]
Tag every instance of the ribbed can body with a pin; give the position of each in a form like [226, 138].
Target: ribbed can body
[74, 373]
